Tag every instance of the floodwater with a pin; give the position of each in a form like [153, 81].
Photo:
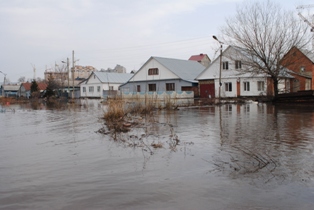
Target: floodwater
[230, 157]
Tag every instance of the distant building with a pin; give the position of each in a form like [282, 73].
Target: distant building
[103, 84]
[10, 90]
[25, 89]
[117, 69]
[59, 76]
[82, 72]
[201, 58]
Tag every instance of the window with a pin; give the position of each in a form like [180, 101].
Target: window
[153, 71]
[84, 89]
[151, 87]
[138, 88]
[225, 65]
[110, 87]
[238, 64]
[302, 69]
[98, 88]
[246, 86]
[260, 85]
[91, 89]
[170, 87]
[228, 87]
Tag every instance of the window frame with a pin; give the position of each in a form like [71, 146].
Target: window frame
[170, 87]
[152, 87]
[260, 86]
[138, 88]
[228, 86]
[225, 65]
[246, 86]
[238, 64]
[98, 89]
[153, 71]
[91, 89]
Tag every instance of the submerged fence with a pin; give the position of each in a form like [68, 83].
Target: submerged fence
[162, 97]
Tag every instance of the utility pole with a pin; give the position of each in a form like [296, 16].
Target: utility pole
[68, 70]
[73, 68]
[220, 63]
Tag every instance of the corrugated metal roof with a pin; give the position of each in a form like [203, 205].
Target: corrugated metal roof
[118, 78]
[185, 69]
[11, 87]
[41, 85]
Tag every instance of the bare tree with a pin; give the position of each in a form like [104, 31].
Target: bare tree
[38, 79]
[22, 79]
[265, 33]
[61, 73]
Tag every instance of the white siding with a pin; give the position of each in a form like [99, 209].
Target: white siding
[164, 73]
[253, 87]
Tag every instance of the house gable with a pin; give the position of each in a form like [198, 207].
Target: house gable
[143, 73]
[168, 69]
[301, 65]
[201, 58]
[92, 79]
[230, 55]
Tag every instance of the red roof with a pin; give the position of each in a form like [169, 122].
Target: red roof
[41, 86]
[197, 57]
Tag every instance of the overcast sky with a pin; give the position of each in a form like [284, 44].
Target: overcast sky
[104, 33]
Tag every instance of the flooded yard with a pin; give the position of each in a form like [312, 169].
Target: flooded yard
[229, 157]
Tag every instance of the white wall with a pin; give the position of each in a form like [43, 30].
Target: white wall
[253, 87]
[164, 73]
[95, 93]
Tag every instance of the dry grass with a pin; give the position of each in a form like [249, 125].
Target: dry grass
[115, 110]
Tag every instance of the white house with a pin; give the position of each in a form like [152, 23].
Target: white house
[164, 75]
[101, 84]
[234, 81]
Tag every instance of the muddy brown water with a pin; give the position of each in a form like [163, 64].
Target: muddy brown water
[230, 157]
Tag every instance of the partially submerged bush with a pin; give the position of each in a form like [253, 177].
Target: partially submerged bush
[115, 110]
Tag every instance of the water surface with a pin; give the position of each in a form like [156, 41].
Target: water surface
[230, 157]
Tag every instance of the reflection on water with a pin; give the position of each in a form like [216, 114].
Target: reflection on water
[229, 157]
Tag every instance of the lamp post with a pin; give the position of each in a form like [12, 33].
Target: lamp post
[220, 63]
[3, 83]
[73, 71]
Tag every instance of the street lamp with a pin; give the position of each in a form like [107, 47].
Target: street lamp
[3, 83]
[220, 63]
[73, 70]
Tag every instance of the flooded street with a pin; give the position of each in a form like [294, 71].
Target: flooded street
[230, 157]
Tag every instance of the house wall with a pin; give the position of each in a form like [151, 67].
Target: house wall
[103, 88]
[164, 73]
[253, 87]
[97, 92]
[23, 92]
[296, 61]
[205, 61]
[160, 85]
[238, 87]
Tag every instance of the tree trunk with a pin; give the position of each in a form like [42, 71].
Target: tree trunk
[275, 82]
